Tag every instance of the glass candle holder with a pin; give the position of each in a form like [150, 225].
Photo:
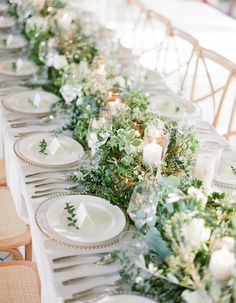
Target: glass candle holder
[207, 162]
[155, 142]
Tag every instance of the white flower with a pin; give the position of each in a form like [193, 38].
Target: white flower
[139, 280]
[172, 198]
[195, 233]
[39, 24]
[60, 62]
[172, 278]
[71, 92]
[56, 60]
[197, 296]
[221, 264]
[197, 194]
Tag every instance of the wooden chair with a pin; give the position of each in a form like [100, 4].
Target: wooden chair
[211, 86]
[19, 282]
[14, 232]
[231, 130]
[176, 58]
[2, 173]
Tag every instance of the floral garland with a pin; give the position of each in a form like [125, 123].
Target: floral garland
[191, 241]
[185, 232]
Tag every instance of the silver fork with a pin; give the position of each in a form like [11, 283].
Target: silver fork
[74, 187]
[83, 295]
[62, 191]
[107, 259]
[71, 257]
[79, 279]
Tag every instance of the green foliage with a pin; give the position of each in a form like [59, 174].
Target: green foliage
[43, 147]
[72, 221]
[180, 153]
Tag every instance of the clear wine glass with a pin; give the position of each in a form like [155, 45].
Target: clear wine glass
[99, 131]
[142, 205]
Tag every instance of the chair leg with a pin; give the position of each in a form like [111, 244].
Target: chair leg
[15, 254]
[28, 251]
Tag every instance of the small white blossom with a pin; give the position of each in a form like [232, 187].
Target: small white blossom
[221, 264]
[71, 92]
[172, 198]
[197, 194]
[39, 24]
[195, 233]
[56, 60]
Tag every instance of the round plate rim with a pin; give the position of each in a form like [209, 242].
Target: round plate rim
[71, 243]
[19, 112]
[121, 292]
[33, 163]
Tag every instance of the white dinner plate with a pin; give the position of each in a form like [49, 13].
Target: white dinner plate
[22, 102]
[107, 220]
[69, 153]
[225, 178]
[174, 108]
[6, 22]
[107, 225]
[124, 298]
[16, 43]
[28, 68]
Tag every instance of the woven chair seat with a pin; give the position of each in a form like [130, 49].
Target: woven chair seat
[18, 284]
[10, 224]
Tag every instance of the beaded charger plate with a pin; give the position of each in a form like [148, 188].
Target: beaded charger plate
[106, 224]
[23, 102]
[69, 153]
[122, 296]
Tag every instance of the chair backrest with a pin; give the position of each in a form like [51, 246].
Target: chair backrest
[231, 129]
[212, 83]
[198, 74]
[176, 58]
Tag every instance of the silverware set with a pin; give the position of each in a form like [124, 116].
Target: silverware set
[102, 259]
[23, 122]
[43, 187]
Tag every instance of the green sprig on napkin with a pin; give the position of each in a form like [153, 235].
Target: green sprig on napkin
[72, 221]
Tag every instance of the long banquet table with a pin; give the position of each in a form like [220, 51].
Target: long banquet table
[45, 250]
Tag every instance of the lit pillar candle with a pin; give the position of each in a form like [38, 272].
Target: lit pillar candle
[114, 103]
[207, 163]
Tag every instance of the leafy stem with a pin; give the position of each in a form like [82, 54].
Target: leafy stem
[43, 146]
[72, 221]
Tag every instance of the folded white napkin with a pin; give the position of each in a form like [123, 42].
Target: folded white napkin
[83, 217]
[36, 101]
[19, 64]
[55, 147]
[9, 39]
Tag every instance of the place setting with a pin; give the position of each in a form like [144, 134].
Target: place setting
[6, 23]
[81, 221]
[49, 151]
[12, 43]
[17, 69]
